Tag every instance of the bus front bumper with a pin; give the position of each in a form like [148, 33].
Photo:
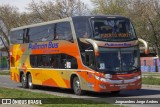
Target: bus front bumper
[107, 85]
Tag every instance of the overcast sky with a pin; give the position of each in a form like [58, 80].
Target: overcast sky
[22, 4]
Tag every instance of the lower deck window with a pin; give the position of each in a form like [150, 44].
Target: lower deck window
[61, 61]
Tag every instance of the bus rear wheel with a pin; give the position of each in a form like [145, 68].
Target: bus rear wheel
[30, 84]
[24, 81]
[76, 86]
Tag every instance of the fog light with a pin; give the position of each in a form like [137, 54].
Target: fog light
[102, 86]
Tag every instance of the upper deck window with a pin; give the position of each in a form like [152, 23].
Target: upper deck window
[41, 33]
[113, 29]
[63, 31]
[82, 27]
[17, 37]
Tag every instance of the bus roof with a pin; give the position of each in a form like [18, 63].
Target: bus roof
[40, 24]
[66, 19]
[100, 16]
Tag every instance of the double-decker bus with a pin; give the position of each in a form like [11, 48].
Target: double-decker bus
[83, 53]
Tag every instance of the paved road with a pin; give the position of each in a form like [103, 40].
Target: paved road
[145, 92]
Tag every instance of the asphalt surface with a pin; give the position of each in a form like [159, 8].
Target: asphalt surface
[145, 92]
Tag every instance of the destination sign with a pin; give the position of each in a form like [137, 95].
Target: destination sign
[114, 35]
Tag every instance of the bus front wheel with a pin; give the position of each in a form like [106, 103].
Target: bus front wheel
[76, 86]
[24, 81]
[30, 84]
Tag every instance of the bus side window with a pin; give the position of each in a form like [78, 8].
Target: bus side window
[68, 62]
[89, 61]
[55, 61]
[17, 37]
[63, 31]
[41, 33]
[33, 60]
[62, 61]
[72, 61]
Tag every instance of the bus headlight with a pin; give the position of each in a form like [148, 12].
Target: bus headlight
[108, 76]
[138, 77]
[100, 78]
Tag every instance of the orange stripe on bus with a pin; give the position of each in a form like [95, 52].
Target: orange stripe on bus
[67, 82]
[49, 82]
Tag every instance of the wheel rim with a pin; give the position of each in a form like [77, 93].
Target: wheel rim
[30, 81]
[77, 87]
[23, 80]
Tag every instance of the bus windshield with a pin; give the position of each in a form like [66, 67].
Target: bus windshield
[113, 29]
[118, 60]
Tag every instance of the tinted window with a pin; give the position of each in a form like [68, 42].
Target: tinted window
[82, 27]
[41, 33]
[113, 29]
[62, 61]
[63, 31]
[16, 37]
[118, 59]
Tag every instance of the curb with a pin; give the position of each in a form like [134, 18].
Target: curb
[4, 70]
[150, 86]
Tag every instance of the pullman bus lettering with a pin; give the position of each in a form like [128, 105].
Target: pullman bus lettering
[42, 46]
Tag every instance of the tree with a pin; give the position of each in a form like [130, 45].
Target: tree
[145, 15]
[51, 10]
[147, 23]
[8, 16]
[113, 7]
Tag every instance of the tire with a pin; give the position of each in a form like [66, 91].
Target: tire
[24, 81]
[30, 84]
[76, 86]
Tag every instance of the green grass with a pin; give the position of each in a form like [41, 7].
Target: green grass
[151, 73]
[64, 102]
[4, 73]
[151, 80]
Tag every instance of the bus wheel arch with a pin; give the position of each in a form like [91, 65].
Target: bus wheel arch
[75, 85]
[20, 76]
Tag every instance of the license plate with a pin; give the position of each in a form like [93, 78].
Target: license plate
[123, 86]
